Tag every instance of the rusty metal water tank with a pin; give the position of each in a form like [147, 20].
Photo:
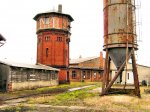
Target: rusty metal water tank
[119, 29]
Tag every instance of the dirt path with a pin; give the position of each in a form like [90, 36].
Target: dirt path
[79, 88]
[50, 108]
[17, 101]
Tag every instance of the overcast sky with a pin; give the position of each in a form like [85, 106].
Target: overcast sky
[19, 28]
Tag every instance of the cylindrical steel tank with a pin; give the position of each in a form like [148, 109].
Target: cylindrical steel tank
[119, 29]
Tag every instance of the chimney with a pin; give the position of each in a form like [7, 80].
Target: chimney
[101, 63]
[60, 8]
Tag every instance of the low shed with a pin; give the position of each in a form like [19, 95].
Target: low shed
[14, 76]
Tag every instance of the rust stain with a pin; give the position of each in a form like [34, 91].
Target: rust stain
[115, 28]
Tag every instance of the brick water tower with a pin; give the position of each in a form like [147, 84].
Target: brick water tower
[53, 37]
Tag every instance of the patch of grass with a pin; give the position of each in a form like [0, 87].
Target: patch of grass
[40, 100]
[68, 98]
[143, 88]
[45, 90]
[19, 108]
[86, 98]
[72, 97]
[119, 103]
[113, 103]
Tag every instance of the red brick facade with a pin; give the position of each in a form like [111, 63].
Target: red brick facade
[53, 37]
[53, 48]
[85, 74]
[90, 69]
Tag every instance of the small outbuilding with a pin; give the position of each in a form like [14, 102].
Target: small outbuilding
[14, 76]
[88, 69]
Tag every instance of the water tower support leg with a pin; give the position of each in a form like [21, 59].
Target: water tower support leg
[105, 90]
[135, 74]
[105, 71]
[107, 74]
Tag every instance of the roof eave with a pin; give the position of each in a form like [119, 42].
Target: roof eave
[36, 16]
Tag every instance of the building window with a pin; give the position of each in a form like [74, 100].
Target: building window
[47, 38]
[73, 74]
[94, 75]
[54, 75]
[101, 73]
[46, 20]
[88, 75]
[83, 75]
[46, 52]
[59, 39]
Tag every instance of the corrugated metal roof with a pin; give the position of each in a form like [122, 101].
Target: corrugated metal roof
[79, 60]
[32, 66]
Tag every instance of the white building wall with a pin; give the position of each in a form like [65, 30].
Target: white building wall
[143, 74]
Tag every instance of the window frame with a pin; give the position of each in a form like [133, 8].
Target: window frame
[46, 20]
[47, 38]
[88, 74]
[84, 74]
[59, 39]
[74, 75]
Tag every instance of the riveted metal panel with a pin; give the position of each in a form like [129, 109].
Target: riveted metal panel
[119, 23]
[119, 29]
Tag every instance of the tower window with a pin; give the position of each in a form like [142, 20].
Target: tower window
[46, 52]
[59, 39]
[47, 38]
[46, 20]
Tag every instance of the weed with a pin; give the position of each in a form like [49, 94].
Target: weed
[45, 90]
[68, 98]
[19, 108]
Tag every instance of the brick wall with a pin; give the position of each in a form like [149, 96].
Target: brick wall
[85, 75]
[58, 49]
